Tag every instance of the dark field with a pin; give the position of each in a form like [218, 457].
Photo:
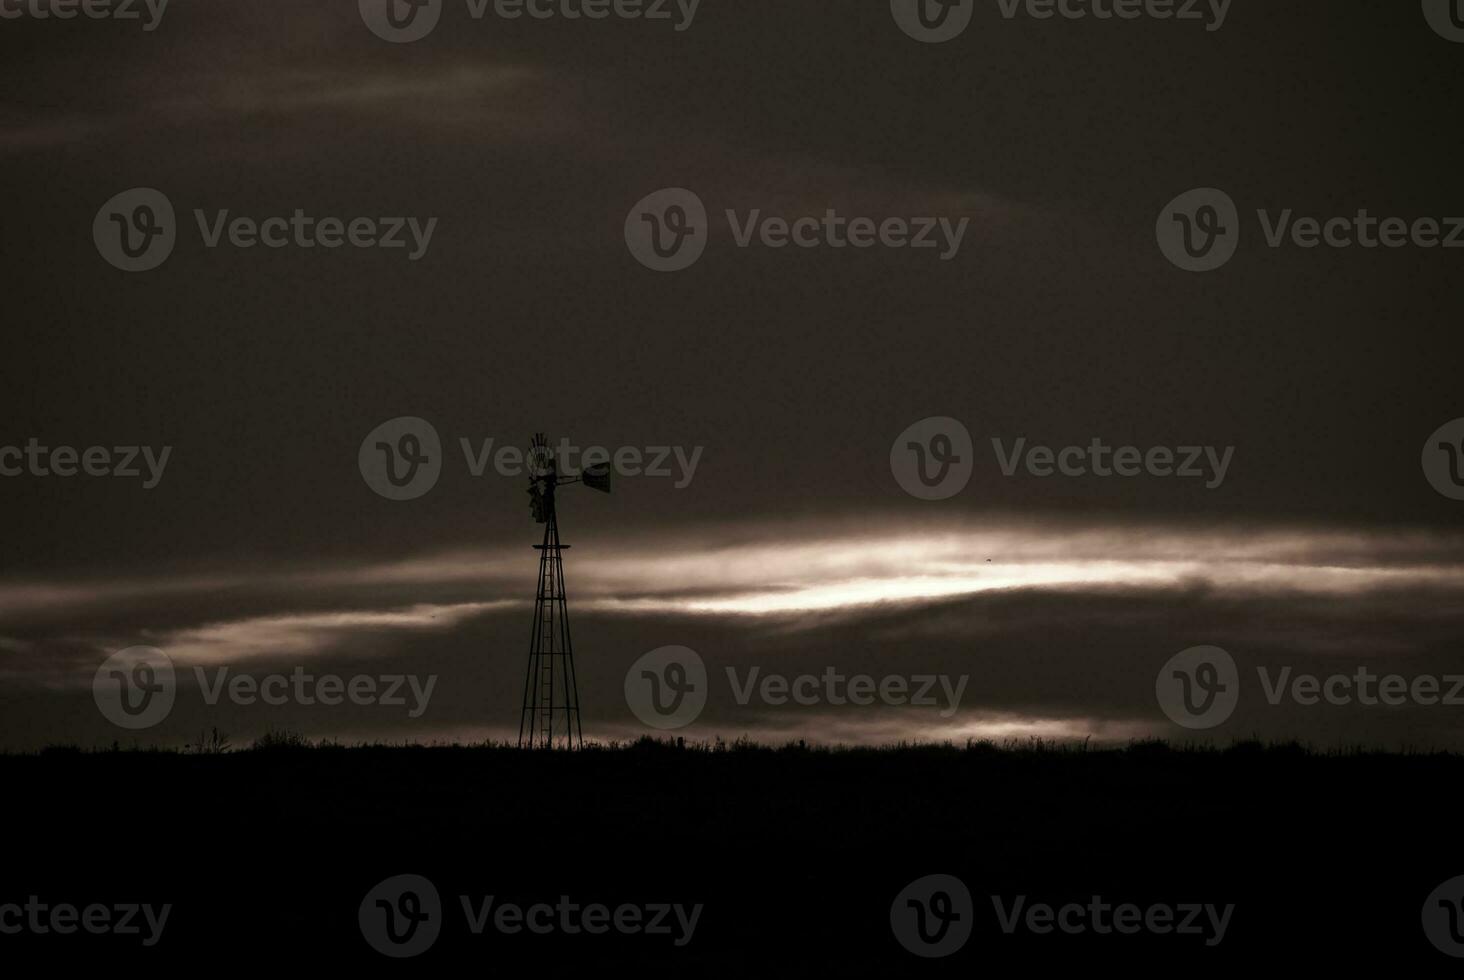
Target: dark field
[795, 854]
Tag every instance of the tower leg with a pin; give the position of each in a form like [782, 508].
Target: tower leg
[550, 714]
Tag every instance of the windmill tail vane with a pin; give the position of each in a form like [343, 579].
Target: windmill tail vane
[551, 714]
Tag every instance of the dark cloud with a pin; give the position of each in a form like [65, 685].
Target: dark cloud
[1059, 321]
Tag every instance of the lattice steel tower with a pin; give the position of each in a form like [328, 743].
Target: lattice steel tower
[551, 717]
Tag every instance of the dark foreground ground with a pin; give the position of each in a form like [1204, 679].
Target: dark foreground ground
[797, 856]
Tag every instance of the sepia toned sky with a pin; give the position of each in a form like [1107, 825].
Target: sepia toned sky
[793, 548]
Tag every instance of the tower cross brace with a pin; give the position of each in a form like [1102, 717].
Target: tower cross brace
[550, 717]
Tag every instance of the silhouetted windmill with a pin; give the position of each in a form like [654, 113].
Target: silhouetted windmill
[551, 695]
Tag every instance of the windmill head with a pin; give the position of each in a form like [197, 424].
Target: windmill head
[544, 477]
[597, 477]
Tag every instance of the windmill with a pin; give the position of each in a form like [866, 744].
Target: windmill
[551, 714]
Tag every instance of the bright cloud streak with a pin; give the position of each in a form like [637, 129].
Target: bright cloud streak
[789, 570]
[877, 730]
[797, 577]
[230, 642]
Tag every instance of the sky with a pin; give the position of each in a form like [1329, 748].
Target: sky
[783, 540]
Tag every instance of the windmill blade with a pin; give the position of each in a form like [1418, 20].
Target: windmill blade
[536, 505]
[541, 458]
